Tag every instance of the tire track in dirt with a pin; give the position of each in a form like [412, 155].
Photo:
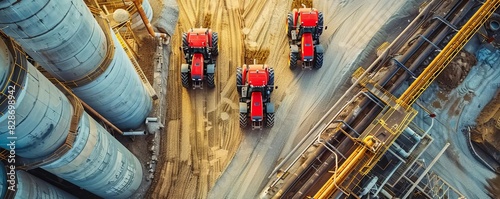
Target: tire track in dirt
[202, 133]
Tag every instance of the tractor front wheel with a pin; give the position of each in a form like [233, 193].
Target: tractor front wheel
[243, 120]
[210, 80]
[293, 60]
[185, 80]
[269, 120]
[318, 60]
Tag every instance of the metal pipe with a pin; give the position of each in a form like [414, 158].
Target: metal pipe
[425, 53]
[145, 20]
[92, 111]
[426, 170]
[369, 186]
[366, 120]
[381, 187]
[330, 186]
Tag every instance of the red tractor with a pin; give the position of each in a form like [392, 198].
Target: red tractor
[255, 83]
[304, 28]
[200, 51]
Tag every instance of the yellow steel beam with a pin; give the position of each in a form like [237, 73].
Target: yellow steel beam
[331, 185]
[449, 52]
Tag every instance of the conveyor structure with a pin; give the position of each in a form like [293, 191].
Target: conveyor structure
[398, 113]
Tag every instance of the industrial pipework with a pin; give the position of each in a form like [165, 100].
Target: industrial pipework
[49, 129]
[28, 186]
[66, 40]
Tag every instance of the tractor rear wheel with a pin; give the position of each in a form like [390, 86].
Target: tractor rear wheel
[320, 23]
[185, 44]
[318, 60]
[269, 120]
[239, 79]
[215, 45]
[270, 83]
[210, 80]
[289, 25]
[185, 80]
[243, 120]
[293, 60]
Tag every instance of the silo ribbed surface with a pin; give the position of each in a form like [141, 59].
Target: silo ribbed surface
[96, 162]
[118, 93]
[29, 186]
[99, 163]
[64, 37]
[42, 112]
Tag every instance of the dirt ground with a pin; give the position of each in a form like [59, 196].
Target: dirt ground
[488, 124]
[145, 53]
[456, 71]
[202, 131]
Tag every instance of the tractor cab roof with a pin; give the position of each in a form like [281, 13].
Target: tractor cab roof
[257, 75]
[198, 37]
[308, 16]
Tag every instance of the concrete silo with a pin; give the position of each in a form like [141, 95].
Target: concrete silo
[68, 42]
[27, 186]
[52, 131]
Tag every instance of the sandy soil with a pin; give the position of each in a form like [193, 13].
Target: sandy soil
[456, 71]
[202, 131]
[145, 52]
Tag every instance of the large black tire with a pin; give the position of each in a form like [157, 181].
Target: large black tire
[215, 44]
[269, 120]
[185, 80]
[320, 23]
[293, 60]
[210, 80]
[185, 45]
[243, 120]
[289, 25]
[270, 82]
[239, 79]
[318, 60]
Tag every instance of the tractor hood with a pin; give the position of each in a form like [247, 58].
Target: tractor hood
[197, 67]
[256, 108]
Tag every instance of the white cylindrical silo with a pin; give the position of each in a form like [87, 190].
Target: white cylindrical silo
[42, 112]
[98, 163]
[43, 118]
[27, 186]
[66, 40]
